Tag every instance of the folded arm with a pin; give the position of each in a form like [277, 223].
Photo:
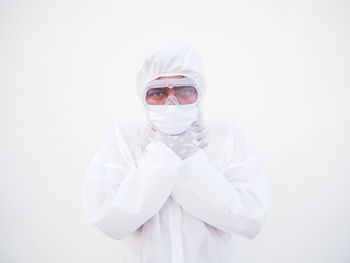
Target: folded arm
[235, 199]
[118, 196]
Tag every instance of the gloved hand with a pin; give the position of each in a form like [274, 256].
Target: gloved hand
[184, 144]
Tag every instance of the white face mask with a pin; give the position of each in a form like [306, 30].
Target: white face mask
[172, 119]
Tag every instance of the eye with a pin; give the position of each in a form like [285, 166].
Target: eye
[156, 94]
[188, 91]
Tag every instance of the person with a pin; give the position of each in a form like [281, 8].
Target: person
[176, 187]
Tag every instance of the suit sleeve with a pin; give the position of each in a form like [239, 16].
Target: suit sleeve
[119, 196]
[234, 199]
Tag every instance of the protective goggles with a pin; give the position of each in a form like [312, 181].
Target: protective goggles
[177, 91]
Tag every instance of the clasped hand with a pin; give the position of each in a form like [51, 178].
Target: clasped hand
[184, 144]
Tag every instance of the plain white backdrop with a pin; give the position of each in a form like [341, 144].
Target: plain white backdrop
[278, 69]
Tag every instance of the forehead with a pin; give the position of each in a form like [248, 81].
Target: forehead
[172, 77]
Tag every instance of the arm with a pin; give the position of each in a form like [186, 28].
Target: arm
[233, 200]
[118, 196]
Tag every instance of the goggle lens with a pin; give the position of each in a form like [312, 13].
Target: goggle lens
[183, 94]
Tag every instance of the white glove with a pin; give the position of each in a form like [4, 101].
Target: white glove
[184, 144]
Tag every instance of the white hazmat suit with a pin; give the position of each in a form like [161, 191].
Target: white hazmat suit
[169, 208]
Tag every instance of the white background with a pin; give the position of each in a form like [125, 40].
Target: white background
[279, 69]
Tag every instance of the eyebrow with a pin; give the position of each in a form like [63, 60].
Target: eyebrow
[154, 89]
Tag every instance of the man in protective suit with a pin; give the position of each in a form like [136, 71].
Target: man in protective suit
[176, 188]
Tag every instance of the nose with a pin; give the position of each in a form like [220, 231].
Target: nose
[171, 92]
[171, 101]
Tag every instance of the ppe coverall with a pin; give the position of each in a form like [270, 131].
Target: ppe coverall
[168, 209]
